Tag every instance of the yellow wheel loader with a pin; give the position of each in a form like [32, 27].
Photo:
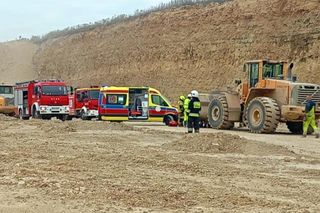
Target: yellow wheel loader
[7, 100]
[269, 95]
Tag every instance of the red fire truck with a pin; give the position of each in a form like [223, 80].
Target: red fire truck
[42, 99]
[83, 103]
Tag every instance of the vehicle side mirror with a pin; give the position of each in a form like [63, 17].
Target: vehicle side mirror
[70, 90]
[38, 91]
[294, 78]
[238, 82]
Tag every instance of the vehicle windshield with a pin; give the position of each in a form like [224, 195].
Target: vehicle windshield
[160, 100]
[273, 70]
[54, 90]
[6, 90]
[94, 94]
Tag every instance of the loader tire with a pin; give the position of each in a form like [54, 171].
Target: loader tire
[263, 115]
[297, 128]
[218, 114]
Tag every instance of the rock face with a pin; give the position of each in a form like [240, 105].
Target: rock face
[16, 61]
[198, 47]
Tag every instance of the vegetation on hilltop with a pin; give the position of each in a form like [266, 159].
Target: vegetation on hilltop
[121, 18]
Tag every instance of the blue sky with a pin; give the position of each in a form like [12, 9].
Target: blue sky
[38, 17]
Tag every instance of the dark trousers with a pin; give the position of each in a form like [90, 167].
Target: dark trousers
[193, 122]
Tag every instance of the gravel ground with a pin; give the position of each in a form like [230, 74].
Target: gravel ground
[76, 166]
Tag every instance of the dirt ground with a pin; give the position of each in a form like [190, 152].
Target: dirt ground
[76, 166]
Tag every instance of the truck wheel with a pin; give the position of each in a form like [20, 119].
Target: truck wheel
[263, 115]
[21, 115]
[168, 119]
[297, 128]
[35, 113]
[218, 114]
[83, 115]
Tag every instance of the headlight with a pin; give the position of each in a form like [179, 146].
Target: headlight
[43, 108]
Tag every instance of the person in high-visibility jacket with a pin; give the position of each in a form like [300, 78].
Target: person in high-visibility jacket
[182, 98]
[186, 106]
[310, 119]
[194, 109]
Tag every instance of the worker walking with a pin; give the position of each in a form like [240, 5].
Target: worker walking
[182, 98]
[194, 109]
[186, 106]
[310, 119]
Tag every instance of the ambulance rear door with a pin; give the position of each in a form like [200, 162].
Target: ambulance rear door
[138, 104]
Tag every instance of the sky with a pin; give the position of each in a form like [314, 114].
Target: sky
[37, 17]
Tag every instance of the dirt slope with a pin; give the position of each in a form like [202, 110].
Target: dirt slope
[16, 61]
[191, 47]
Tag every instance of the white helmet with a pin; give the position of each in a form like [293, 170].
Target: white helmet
[189, 95]
[194, 93]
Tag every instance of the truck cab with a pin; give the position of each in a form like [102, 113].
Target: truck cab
[42, 99]
[83, 103]
[135, 103]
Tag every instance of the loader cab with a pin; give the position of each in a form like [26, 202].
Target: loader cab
[6, 95]
[272, 71]
[6, 91]
[261, 70]
[253, 70]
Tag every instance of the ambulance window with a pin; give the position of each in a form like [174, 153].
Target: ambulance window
[117, 99]
[158, 100]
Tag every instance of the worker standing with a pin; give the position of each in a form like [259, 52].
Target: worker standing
[194, 109]
[182, 98]
[186, 106]
[309, 119]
